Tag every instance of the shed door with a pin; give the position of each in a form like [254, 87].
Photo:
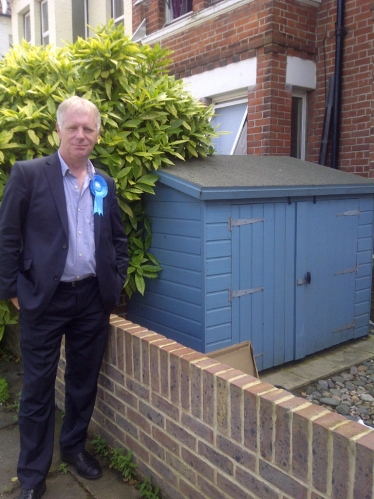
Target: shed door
[263, 275]
[326, 255]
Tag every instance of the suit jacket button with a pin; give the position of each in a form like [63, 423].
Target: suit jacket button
[64, 246]
[56, 278]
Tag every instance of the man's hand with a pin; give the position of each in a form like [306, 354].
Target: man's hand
[15, 302]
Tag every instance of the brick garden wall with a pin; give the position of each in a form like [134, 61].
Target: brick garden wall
[202, 429]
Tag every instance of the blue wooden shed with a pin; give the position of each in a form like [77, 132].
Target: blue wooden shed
[273, 250]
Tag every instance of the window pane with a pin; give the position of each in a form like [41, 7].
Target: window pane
[45, 17]
[80, 19]
[27, 27]
[117, 7]
[44, 23]
[230, 119]
[177, 8]
[241, 146]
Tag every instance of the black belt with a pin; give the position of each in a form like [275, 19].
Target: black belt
[75, 284]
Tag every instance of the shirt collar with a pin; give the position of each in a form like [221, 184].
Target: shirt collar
[65, 169]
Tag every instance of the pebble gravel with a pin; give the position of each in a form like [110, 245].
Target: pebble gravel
[349, 393]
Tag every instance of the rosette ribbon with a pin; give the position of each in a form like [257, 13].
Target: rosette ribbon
[99, 189]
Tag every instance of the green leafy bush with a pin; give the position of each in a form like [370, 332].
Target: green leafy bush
[4, 393]
[148, 120]
[6, 317]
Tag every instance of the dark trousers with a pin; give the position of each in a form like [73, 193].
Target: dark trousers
[78, 313]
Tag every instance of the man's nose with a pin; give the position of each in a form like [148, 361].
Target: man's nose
[80, 133]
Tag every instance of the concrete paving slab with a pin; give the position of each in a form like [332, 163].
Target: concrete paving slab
[109, 486]
[59, 487]
[9, 449]
[284, 379]
[59, 484]
[323, 364]
[7, 417]
[63, 487]
[365, 344]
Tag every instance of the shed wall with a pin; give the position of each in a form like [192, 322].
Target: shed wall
[174, 303]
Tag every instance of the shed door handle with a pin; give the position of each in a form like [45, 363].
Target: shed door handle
[307, 279]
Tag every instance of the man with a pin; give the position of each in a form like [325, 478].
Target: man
[63, 263]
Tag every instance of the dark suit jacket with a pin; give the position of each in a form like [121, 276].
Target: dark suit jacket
[34, 237]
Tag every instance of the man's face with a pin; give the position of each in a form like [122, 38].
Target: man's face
[78, 135]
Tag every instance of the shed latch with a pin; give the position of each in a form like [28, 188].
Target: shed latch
[307, 279]
[244, 221]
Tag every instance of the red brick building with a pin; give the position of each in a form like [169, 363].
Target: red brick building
[266, 67]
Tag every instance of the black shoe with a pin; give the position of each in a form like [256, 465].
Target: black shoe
[36, 493]
[85, 465]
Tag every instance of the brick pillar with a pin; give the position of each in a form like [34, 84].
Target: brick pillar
[269, 105]
[155, 14]
[198, 5]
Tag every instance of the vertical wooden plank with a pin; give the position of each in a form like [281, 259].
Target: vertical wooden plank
[271, 322]
[235, 276]
[300, 290]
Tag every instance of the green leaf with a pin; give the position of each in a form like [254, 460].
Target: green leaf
[33, 137]
[140, 283]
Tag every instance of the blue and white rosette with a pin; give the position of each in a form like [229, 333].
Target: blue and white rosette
[99, 189]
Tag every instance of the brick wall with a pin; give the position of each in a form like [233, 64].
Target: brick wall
[356, 145]
[271, 31]
[202, 429]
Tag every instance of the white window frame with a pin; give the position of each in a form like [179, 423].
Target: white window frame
[27, 26]
[229, 103]
[303, 122]
[121, 18]
[43, 21]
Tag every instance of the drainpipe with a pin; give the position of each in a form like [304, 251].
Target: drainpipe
[340, 33]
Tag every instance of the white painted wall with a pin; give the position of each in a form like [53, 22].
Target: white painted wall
[60, 19]
[5, 34]
[301, 73]
[19, 8]
[229, 79]
[235, 79]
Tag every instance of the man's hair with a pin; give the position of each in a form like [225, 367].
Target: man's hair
[79, 103]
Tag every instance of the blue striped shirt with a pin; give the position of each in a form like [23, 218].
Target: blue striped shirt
[80, 261]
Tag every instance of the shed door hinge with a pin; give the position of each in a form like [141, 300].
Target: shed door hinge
[243, 292]
[244, 221]
[352, 325]
[347, 271]
[350, 213]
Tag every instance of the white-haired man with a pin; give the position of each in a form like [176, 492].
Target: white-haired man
[63, 263]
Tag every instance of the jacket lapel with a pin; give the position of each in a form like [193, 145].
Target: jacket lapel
[54, 177]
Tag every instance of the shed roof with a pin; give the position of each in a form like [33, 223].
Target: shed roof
[220, 177]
